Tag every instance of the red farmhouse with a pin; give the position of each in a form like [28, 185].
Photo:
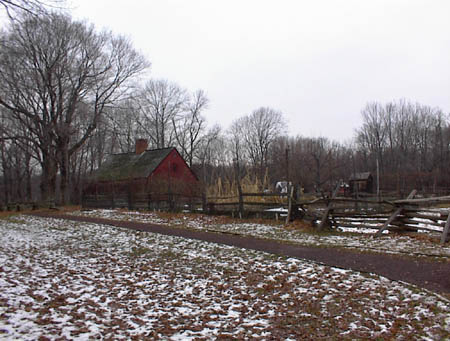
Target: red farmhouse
[154, 174]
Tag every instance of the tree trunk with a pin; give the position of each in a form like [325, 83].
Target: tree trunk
[5, 184]
[48, 178]
[64, 171]
[5, 175]
[28, 175]
[18, 189]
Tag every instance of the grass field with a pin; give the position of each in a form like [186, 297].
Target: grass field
[68, 280]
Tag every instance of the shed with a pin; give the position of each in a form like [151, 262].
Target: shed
[149, 175]
[361, 182]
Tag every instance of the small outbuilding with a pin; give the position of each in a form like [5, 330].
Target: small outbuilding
[361, 182]
[144, 178]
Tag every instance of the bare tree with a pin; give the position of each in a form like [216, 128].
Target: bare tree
[235, 134]
[190, 127]
[373, 133]
[236, 141]
[258, 131]
[162, 103]
[121, 127]
[322, 161]
[54, 69]
[33, 7]
[208, 152]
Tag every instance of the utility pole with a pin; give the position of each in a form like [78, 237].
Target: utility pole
[378, 181]
[287, 164]
[237, 171]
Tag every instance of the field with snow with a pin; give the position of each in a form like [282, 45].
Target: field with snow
[71, 280]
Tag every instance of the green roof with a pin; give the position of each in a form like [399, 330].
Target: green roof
[131, 165]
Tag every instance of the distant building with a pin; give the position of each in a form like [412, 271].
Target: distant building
[361, 182]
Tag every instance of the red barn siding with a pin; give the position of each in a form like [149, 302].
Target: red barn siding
[174, 167]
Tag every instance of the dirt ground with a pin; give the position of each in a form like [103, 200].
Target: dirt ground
[424, 273]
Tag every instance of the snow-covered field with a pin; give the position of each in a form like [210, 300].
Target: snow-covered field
[362, 241]
[71, 280]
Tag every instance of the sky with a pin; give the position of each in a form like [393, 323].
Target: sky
[319, 62]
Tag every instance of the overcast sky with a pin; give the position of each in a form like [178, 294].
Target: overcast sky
[319, 62]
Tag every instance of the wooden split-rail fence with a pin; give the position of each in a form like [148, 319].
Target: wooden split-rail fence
[411, 214]
[406, 215]
[143, 201]
[18, 206]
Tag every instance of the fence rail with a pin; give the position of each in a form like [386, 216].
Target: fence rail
[150, 201]
[27, 206]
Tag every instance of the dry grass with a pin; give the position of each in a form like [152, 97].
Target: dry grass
[7, 214]
[228, 192]
[424, 237]
[300, 225]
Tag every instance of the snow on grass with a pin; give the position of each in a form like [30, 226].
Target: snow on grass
[388, 243]
[71, 280]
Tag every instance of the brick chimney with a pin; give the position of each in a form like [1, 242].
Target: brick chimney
[141, 146]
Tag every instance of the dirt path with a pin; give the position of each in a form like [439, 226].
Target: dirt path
[423, 273]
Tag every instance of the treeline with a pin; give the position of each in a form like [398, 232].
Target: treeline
[411, 142]
[70, 95]
[407, 143]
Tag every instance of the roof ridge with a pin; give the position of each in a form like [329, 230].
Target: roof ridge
[149, 150]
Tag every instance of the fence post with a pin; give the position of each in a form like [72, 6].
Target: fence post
[149, 200]
[204, 201]
[191, 204]
[171, 201]
[446, 230]
[329, 209]
[394, 215]
[241, 200]
[210, 208]
[290, 198]
[130, 198]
